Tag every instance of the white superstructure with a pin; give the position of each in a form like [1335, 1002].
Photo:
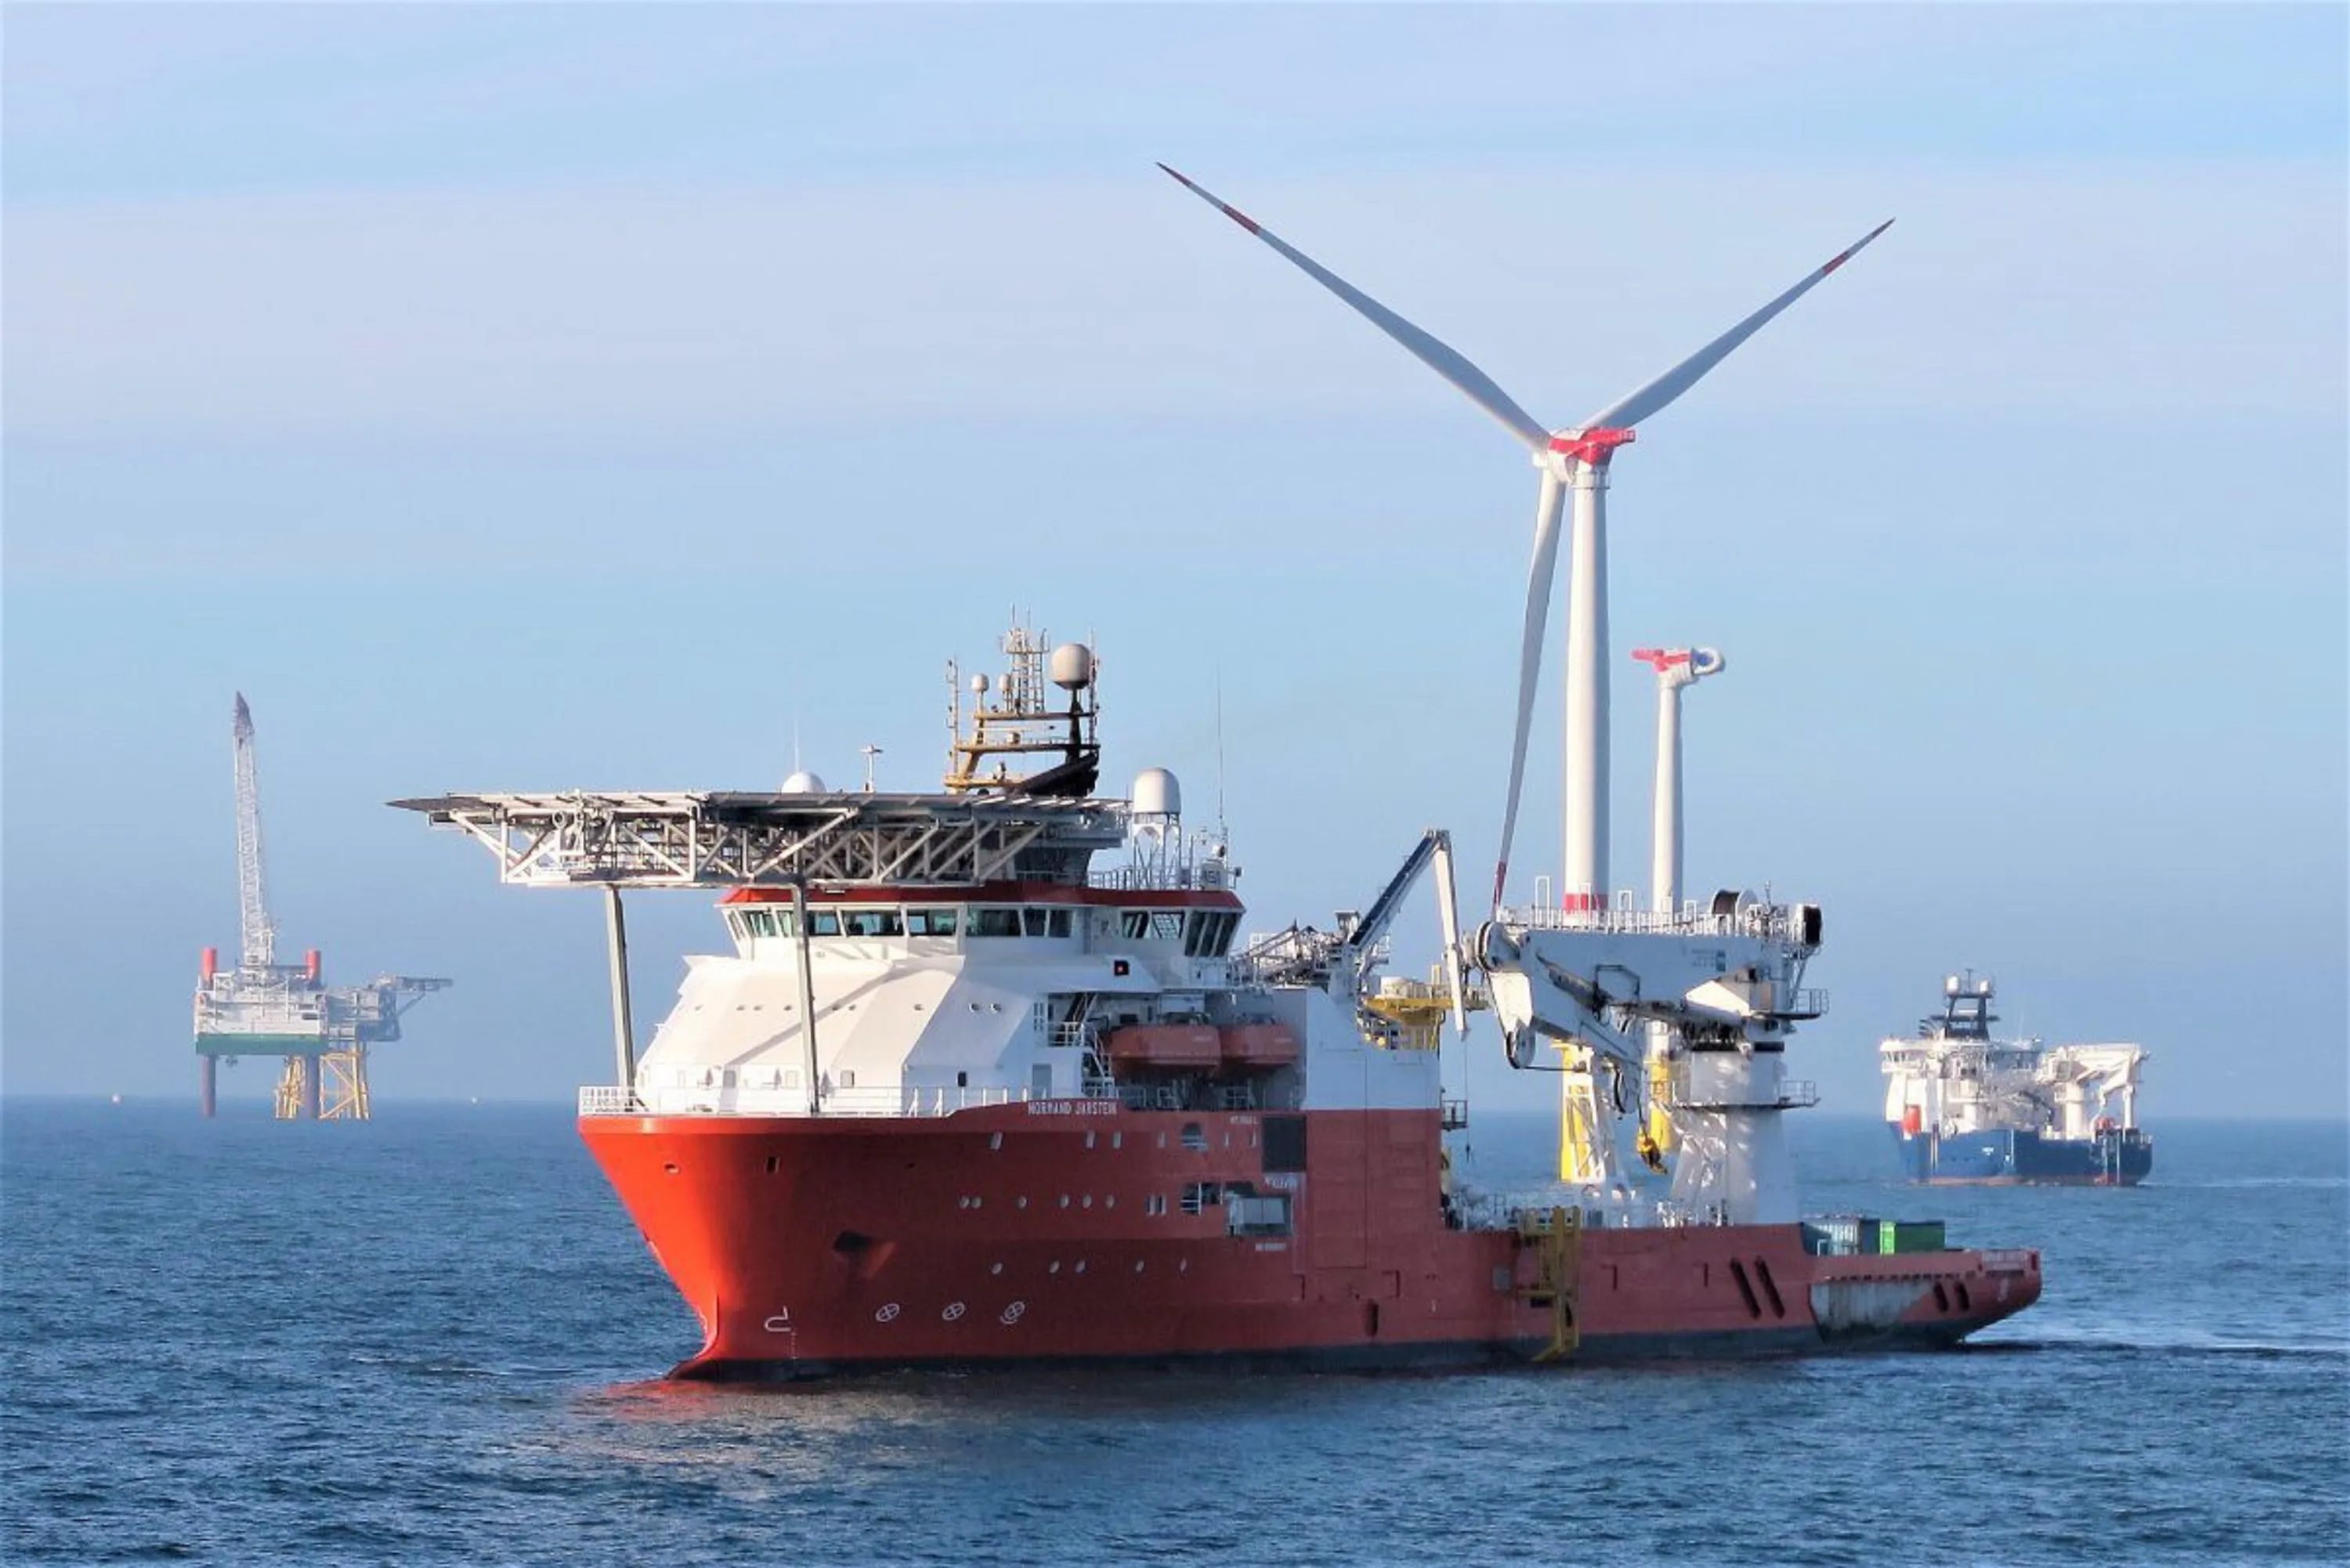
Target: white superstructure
[917, 954]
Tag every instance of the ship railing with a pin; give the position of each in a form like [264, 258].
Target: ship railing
[1624, 917]
[1599, 1211]
[1792, 1094]
[1169, 874]
[912, 1100]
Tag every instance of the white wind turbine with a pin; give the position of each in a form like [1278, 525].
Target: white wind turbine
[1575, 458]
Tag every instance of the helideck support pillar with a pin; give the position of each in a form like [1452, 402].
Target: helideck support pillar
[624, 1032]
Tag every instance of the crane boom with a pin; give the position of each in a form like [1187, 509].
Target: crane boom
[260, 937]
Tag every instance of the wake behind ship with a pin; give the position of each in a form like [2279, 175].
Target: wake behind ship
[963, 1094]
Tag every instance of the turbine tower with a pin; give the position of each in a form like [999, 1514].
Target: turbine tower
[1677, 668]
[1576, 461]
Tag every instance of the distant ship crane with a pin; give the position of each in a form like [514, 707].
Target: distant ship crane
[263, 1008]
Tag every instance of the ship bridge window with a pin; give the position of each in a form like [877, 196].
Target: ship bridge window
[874, 923]
[1134, 924]
[759, 922]
[823, 923]
[995, 922]
[931, 922]
[1167, 925]
[1044, 922]
[1209, 932]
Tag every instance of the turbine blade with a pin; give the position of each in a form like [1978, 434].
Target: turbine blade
[1539, 576]
[1437, 355]
[1636, 406]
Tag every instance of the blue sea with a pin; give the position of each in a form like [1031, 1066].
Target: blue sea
[435, 1338]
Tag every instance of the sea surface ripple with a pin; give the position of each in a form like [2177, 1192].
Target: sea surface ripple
[435, 1338]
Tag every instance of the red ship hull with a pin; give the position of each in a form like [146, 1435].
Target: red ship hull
[1059, 1232]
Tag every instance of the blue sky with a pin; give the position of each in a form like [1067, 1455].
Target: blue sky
[523, 396]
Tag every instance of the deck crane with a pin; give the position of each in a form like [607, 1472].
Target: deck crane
[263, 1008]
[1345, 960]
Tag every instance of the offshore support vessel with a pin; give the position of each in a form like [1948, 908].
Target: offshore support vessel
[992, 1077]
[1967, 1109]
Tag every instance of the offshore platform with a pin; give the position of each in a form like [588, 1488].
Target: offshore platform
[263, 1008]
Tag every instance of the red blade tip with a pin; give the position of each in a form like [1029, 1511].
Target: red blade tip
[1234, 214]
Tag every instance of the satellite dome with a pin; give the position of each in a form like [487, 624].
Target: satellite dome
[1156, 794]
[804, 783]
[1073, 667]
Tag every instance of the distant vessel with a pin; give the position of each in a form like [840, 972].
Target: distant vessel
[1967, 1108]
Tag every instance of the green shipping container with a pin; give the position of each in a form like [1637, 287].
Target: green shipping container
[1911, 1236]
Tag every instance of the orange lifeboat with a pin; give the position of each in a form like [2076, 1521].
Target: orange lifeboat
[1165, 1046]
[1259, 1044]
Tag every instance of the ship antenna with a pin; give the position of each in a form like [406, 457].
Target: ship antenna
[1220, 752]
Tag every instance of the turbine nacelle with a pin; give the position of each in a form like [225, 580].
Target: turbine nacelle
[1678, 666]
[1589, 448]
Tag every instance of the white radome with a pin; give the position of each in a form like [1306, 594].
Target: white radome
[1072, 669]
[1156, 794]
[803, 782]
